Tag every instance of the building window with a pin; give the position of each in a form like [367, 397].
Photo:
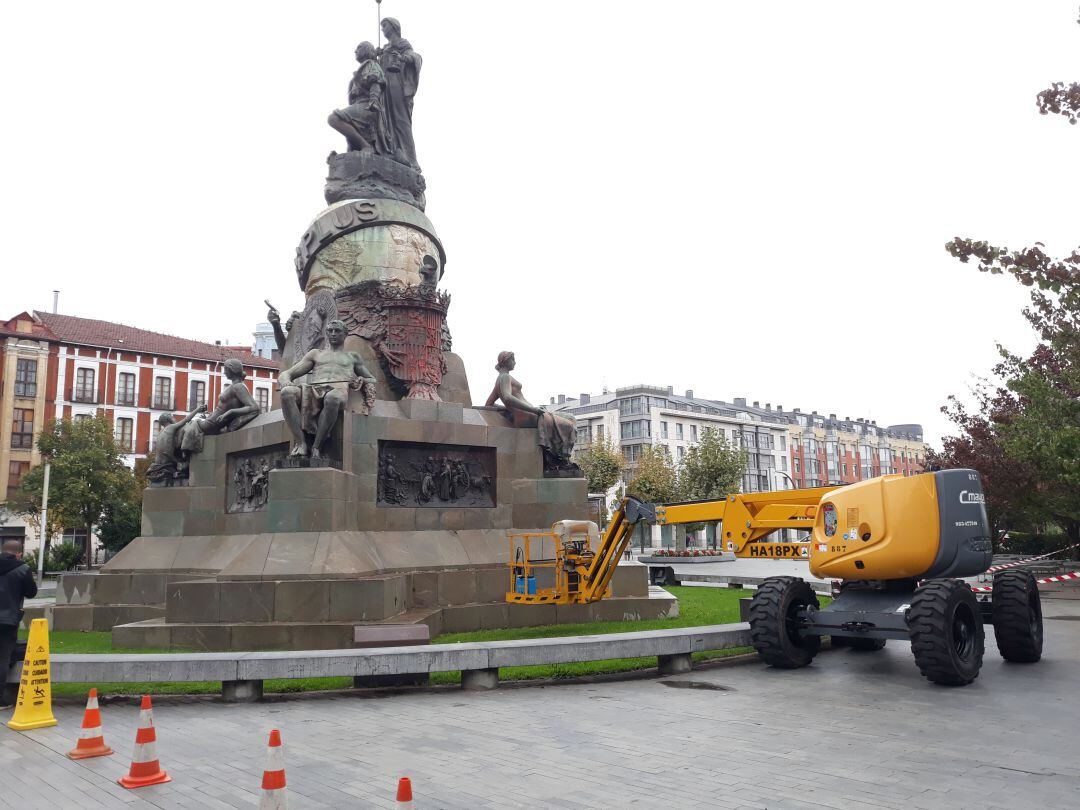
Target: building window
[783, 442]
[125, 389]
[600, 432]
[766, 441]
[154, 433]
[162, 393]
[637, 429]
[26, 378]
[16, 471]
[680, 452]
[22, 428]
[783, 463]
[124, 431]
[197, 394]
[75, 537]
[693, 433]
[85, 390]
[796, 467]
[583, 435]
[679, 431]
[262, 396]
[632, 453]
[663, 430]
[80, 417]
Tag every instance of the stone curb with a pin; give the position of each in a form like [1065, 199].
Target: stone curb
[242, 674]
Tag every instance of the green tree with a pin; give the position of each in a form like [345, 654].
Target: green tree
[1030, 426]
[1035, 415]
[121, 520]
[655, 479]
[87, 475]
[712, 468]
[602, 462]
[1060, 98]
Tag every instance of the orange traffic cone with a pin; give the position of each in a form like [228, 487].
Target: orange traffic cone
[274, 796]
[404, 793]
[91, 741]
[145, 769]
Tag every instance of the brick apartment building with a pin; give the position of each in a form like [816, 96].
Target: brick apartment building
[58, 366]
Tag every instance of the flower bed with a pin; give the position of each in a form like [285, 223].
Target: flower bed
[690, 552]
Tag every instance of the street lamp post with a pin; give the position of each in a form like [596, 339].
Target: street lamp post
[44, 525]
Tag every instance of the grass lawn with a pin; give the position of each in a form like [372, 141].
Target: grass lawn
[697, 606]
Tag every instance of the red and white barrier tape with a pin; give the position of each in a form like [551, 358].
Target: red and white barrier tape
[1058, 578]
[994, 568]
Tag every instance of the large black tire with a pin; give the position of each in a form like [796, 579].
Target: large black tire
[947, 635]
[774, 622]
[1017, 613]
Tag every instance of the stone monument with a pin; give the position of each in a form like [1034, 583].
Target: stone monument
[378, 492]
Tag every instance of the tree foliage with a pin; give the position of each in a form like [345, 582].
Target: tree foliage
[655, 480]
[602, 462]
[1025, 438]
[1060, 99]
[87, 476]
[712, 468]
[1028, 429]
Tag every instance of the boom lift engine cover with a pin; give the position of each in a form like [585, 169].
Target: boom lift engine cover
[926, 526]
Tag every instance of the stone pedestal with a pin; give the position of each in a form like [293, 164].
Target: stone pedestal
[332, 548]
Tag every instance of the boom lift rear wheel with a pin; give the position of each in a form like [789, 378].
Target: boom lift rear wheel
[775, 619]
[946, 631]
[1017, 614]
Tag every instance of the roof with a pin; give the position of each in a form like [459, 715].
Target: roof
[38, 330]
[105, 334]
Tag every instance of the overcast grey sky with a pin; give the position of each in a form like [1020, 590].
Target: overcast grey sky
[746, 199]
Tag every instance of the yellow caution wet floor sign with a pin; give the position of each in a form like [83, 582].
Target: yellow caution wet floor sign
[33, 709]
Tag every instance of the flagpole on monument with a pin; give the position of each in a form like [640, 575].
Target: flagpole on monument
[378, 25]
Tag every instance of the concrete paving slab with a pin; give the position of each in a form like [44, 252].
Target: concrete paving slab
[850, 731]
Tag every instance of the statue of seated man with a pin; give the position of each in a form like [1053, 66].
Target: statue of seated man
[170, 461]
[313, 407]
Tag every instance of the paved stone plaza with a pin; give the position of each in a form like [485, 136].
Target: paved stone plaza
[852, 731]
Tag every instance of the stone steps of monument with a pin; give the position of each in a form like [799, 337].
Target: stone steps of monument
[157, 632]
[102, 618]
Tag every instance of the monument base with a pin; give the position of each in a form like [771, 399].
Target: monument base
[412, 528]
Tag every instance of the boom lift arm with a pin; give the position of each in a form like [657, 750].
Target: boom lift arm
[582, 575]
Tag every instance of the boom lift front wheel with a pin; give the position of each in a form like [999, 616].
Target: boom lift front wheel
[776, 613]
[946, 629]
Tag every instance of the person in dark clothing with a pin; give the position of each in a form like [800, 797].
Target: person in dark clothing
[16, 583]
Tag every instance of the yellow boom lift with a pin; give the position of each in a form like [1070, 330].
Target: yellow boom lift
[897, 544]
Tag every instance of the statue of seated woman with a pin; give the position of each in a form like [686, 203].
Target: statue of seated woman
[236, 407]
[557, 431]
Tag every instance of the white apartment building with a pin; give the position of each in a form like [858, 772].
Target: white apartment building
[640, 415]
